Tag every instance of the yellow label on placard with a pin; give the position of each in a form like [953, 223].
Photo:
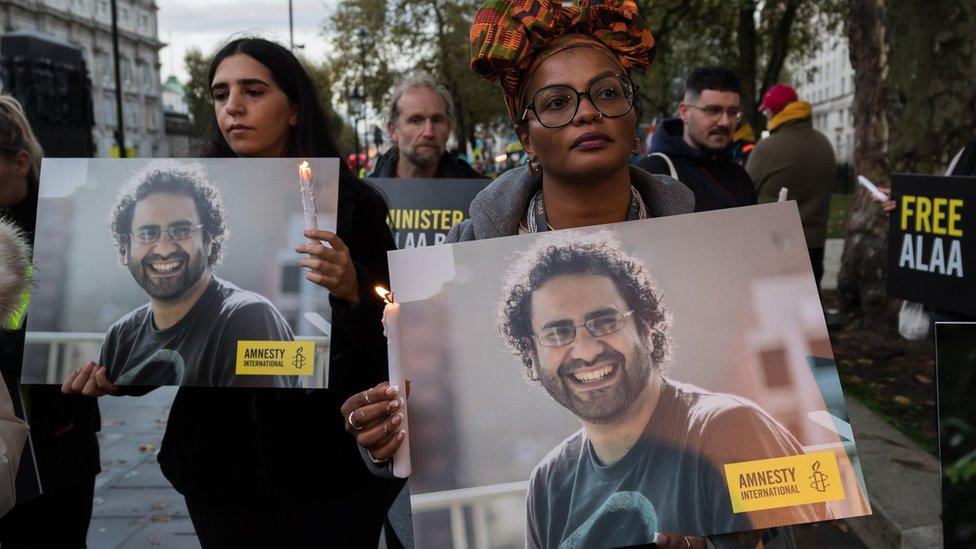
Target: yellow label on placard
[277, 358]
[784, 482]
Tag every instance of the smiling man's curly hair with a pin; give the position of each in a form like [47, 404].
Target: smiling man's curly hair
[577, 253]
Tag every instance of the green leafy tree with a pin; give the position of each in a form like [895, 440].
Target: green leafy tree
[754, 38]
[385, 40]
[198, 90]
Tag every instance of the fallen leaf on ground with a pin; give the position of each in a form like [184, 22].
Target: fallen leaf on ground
[160, 519]
[923, 379]
[147, 447]
[111, 422]
[843, 527]
[865, 361]
[854, 379]
[903, 400]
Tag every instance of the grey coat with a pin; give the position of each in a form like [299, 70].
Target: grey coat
[501, 206]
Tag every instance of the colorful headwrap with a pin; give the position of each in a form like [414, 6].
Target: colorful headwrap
[508, 35]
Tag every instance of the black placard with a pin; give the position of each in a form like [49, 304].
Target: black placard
[422, 211]
[932, 241]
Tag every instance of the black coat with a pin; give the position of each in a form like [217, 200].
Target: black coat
[247, 445]
[717, 181]
[448, 167]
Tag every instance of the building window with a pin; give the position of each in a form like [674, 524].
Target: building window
[105, 68]
[147, 77]
[126, 71]
[108, 106]
[143, 22]
[124, 15]
[102, 7]
[151, 115]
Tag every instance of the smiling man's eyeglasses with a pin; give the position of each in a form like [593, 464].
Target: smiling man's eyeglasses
[564, 332]
[715, 112]
[150, 234]
[556, 106]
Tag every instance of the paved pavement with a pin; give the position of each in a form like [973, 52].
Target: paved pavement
[135, 507]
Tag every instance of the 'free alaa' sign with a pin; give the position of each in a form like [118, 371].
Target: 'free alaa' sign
[931, 240]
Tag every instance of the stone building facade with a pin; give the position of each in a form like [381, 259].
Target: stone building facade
[88, 24]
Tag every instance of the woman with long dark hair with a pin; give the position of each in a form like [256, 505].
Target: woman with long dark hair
[274, 468]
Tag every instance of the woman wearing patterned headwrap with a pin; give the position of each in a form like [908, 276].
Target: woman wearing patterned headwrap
[565, 73]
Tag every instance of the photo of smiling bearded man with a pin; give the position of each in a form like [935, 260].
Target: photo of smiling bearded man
[170, 230]
[588, 324]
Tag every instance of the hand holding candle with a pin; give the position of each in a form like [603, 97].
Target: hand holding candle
[391, 318]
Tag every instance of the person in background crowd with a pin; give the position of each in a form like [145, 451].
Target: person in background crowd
[743, 141]
[273, 467]
[420, 119]
[62, 427]
[14, 279]
[800, 158]
[695, 147]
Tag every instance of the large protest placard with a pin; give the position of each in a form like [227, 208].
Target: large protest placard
[180, 272]
[594, 387]
[932, 241]
[422, 211]
[955, 362]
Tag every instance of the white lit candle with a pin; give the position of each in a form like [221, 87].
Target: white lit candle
[307, 188]
[783, 193]
[391, 320]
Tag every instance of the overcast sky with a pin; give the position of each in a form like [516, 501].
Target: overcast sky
[184, 24]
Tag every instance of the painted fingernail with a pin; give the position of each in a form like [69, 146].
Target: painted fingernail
[396, 420]
[401, 434]
[392, 390]
[395, 405]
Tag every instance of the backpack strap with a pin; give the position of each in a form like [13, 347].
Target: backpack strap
[674, 173]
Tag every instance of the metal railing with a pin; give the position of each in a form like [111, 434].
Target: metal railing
[477, 498]
[65, 347]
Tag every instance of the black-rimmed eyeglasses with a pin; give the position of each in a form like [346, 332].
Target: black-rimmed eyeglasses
[564, 333]
[556, 106]
[150, 234]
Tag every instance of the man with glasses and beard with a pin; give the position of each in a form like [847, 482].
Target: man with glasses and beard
[170, 228]
[696, 147]
[587, 322]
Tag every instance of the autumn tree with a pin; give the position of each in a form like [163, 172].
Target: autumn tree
[754, 38]
[913, 72]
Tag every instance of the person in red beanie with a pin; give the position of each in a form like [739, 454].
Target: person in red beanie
[801, 159]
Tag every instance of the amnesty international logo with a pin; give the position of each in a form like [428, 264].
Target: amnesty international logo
[818, 480]
[784, 482]
[276, 358]
[299, 361]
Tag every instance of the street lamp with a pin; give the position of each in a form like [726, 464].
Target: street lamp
[356, 101]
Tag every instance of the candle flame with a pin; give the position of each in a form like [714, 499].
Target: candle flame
[385, 294]
[305, 172]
